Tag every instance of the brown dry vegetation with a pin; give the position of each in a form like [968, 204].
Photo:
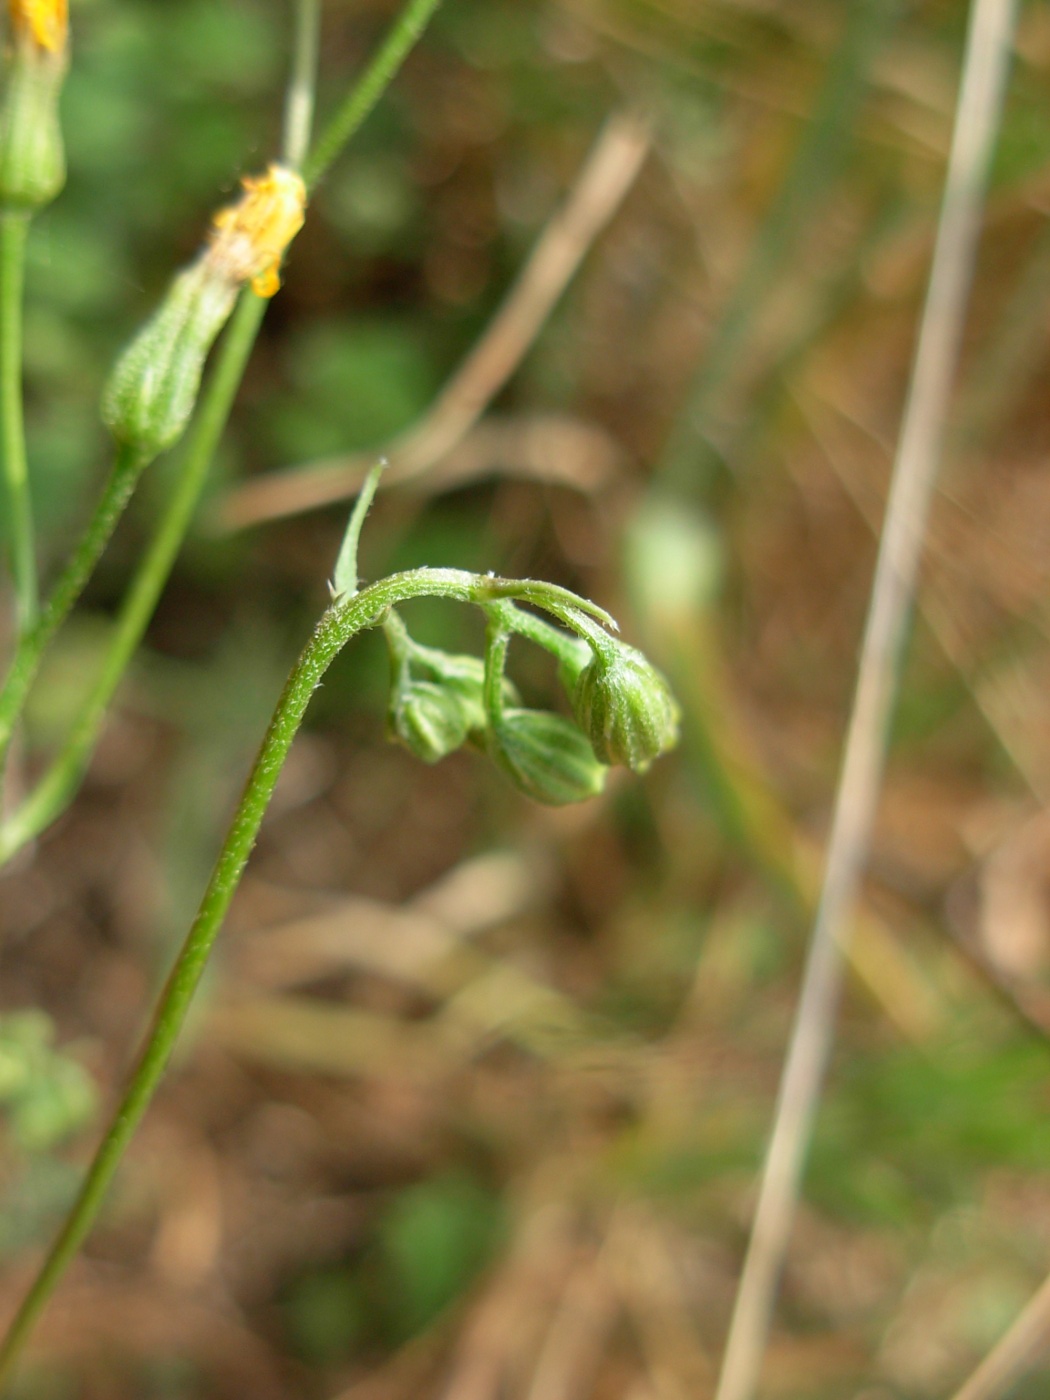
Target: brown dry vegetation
[476, 1094]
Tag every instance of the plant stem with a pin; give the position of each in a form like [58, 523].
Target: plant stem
[342, 621]
[60, 782]
[56, 788]
[369, 88]
[302, 83]
[32, 644]
[14, 228]
[985, 67]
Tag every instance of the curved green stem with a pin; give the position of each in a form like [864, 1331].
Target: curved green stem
[14, 228]
[32, 644]
[59, 783]
[343, 620]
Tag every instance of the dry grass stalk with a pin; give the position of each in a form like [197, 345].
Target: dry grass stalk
[609, 172]
[988, 48]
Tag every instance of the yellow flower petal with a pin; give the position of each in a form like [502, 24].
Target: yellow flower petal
[249, 238]
[46, 22]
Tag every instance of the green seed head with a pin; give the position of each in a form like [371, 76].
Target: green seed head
[545, 757]
[625, 707]
[153, 388]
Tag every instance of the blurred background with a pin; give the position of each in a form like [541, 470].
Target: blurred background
[476, 1093]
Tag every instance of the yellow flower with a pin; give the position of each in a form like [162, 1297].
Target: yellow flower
[46, 22]
[249, 237]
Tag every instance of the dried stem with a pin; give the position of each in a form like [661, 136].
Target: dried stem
[980, 100]
[609, 172]
[1013, 1353]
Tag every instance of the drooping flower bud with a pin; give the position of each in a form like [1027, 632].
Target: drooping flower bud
[32, 155]
[545, 757]
[154, 385]
[429, 719]
[625, 707]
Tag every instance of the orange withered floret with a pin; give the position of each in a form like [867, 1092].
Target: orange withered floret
[249, 237]
[45, 22]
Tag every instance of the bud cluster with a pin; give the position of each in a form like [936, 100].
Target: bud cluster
[623, 709]
[154, 385]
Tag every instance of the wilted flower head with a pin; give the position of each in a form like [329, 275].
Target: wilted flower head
[44, 23]
[154, 385]
[248, 239]
[625, 707]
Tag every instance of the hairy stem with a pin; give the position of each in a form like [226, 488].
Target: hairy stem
[343, 620]
[14, 228]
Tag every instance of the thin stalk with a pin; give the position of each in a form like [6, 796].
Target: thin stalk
[343, 620]
[59, 783]
[302, 84]
[1021, 1346]
[57, 787]
[14, 228]
[401, 38]
[977, 116]
[32, 644]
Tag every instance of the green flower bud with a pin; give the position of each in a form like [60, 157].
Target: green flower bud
[154, 385]
[625, 707]
[462, 676]
[545, 757]
[430, 720]
[32, 156]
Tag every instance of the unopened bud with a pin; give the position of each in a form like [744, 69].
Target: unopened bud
[625, 707]
[32, 156]
[154, 386]
[546, 757]
[430, 720]
[150, 395]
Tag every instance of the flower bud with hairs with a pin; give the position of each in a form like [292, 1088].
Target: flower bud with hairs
[545, 757]
[625, 707]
